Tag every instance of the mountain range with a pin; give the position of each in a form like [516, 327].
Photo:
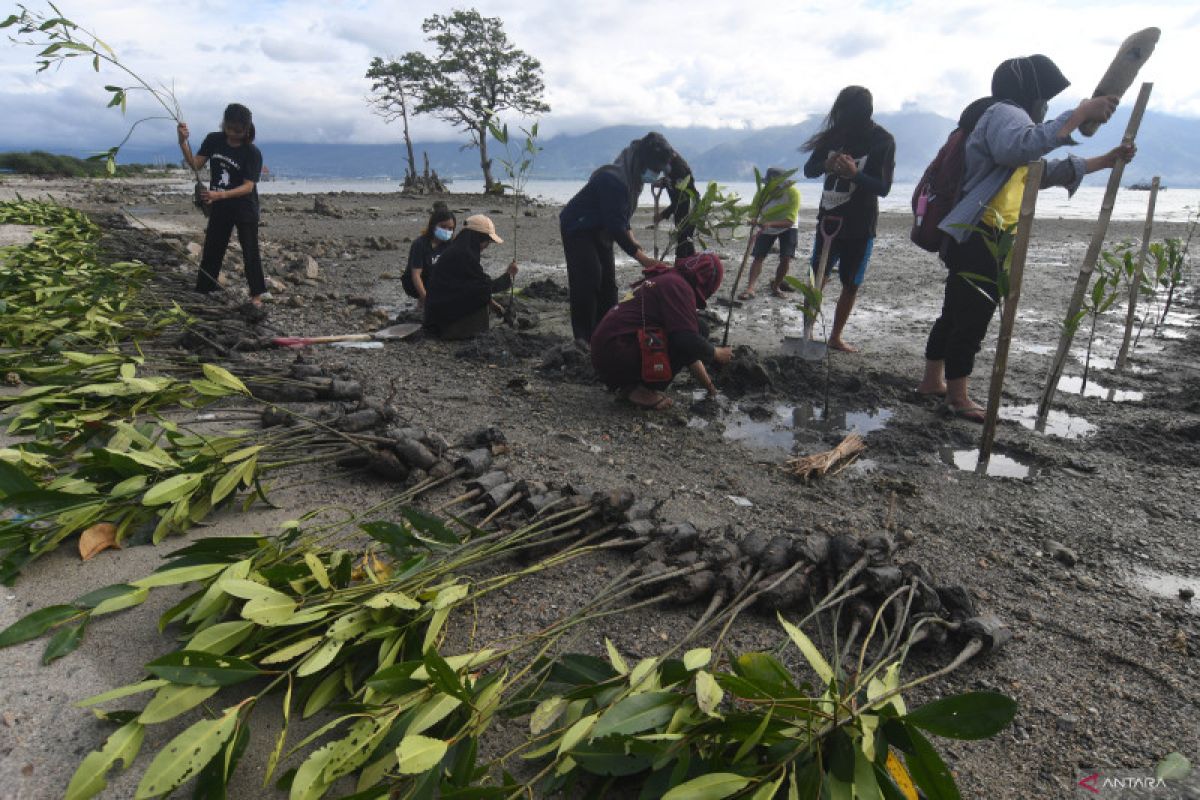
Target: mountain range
[1168, 146]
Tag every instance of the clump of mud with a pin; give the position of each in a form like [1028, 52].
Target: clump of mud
[546, 289]
[504, 346]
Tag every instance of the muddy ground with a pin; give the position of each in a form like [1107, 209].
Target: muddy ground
[1084, 550]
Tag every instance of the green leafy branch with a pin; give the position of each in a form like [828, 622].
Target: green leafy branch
[59, 40]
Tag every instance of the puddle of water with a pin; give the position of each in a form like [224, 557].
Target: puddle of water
[811, 416]
[1073, 384]
[1110, 363]
[1058, 423]
[1166, 584]
[780, 426]
[999, 465]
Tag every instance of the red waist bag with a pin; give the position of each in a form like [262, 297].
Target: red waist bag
[656, 364]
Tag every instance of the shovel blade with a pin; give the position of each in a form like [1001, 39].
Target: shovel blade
[402, 331]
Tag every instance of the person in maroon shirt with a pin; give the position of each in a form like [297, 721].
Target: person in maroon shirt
[665, 298]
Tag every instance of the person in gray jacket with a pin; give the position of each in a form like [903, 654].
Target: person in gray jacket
[1010, 133]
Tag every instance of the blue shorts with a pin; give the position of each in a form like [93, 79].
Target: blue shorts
[789, 239]
[850, 256]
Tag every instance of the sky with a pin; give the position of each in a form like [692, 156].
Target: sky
[300, 64]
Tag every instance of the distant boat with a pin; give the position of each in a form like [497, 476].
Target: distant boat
[1143, 186]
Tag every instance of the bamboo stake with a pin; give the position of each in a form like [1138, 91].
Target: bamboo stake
[1089, 259]
[1008, 320]
[1135, 281]
[737, 280]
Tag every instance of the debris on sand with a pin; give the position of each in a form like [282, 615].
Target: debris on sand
[815, 466]
[546, 289]
[504, 346]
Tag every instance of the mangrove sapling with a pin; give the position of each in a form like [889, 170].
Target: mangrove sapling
[58, 39]
[765, 192]
[1112, 270]
[1137, 277]
[683, 728]
[1169, 258]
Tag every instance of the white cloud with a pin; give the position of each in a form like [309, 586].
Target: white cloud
[299, 64]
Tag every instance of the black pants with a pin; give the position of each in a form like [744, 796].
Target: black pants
[966, 311]
[227, 215]
[591, 279]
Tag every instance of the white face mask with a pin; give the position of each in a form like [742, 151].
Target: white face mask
[442, 234]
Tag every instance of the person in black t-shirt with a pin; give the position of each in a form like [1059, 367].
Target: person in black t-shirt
[235, 166]
[425, 250]
[460, 292]
[857, 158]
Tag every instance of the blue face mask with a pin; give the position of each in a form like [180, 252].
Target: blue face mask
[649, 175]
[442, 234]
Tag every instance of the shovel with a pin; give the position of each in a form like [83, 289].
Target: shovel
[393, 332]
[830, 228]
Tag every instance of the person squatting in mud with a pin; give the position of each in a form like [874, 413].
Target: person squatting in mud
[597, 216]
[231, 197]
[782, 225]
[654, 332]
[1008, 132]
[425, 251]
[857, 158]
[459, 300]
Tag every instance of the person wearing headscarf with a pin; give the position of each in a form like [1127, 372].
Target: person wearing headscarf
[596, 217]
[857, 157]
[1009, 133]
[662, 305]
[459, 293]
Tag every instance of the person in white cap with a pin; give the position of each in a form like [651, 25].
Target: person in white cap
[460, 293]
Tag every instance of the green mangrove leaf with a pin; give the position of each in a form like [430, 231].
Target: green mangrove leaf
[34, 625]
[713, 786]
[708, 693]
[417, 754]
[320, 658]
[809, 650]
[292, 651]
[546, 714]
[119, 692]
[198, 668]
[637, 713]
[223, 377]
[172, 700]
[219, 639]
[172, 489]
[64, 642]
[973, 715]
[186, 754]
[91, 777]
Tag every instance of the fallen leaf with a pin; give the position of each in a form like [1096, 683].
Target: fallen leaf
[97, 538]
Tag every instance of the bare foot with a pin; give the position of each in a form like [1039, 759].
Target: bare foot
[838, 344]
[931, 389]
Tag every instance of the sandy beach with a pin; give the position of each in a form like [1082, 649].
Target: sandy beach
[1082, 545]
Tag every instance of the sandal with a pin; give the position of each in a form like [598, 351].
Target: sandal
[781, 289]
[746, 295]
[660, 402]
[971, 413]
